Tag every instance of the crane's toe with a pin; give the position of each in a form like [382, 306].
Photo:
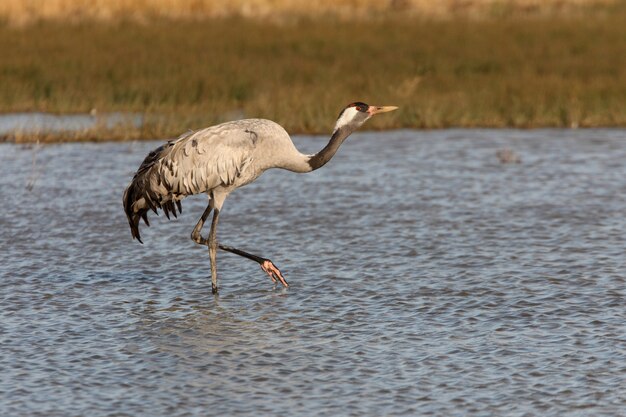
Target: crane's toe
[273, 272]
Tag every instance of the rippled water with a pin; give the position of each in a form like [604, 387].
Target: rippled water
[427, 278]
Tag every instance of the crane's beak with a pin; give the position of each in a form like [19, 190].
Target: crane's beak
[380, 109]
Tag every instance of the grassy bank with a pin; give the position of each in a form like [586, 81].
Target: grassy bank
[517, 72]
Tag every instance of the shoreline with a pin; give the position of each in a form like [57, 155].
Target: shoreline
[83, 137]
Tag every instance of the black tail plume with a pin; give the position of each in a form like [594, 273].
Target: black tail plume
[147, 191]
[130, 197]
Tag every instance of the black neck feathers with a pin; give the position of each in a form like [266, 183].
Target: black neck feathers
[322, 157]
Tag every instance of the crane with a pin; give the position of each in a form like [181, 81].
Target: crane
[219, 159]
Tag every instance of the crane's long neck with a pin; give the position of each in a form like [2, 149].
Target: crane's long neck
[299, 162]
[322, 157]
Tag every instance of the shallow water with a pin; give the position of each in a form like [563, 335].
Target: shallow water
[32, 122]
[426, 279]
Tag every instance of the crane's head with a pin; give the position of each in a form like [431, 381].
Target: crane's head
[349, 120]
[355, 114]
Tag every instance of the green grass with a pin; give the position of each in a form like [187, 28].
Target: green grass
[512, 72]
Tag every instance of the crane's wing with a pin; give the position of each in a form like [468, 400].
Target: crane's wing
[194, 163]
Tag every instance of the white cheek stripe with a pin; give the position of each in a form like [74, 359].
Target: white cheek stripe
[348, 116]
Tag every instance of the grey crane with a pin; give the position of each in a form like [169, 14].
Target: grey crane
[217, 160]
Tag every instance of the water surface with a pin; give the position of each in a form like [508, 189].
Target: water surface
[426, 278]
[34, 122]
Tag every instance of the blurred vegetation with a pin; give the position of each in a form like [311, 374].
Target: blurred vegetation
[25, 12]
[516, 71]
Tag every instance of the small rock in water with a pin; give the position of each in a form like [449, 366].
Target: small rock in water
[508, 156]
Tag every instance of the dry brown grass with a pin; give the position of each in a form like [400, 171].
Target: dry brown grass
[20, 12]
[510, 72]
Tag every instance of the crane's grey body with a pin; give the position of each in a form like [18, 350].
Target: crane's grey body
[219, 159]
[214, 160]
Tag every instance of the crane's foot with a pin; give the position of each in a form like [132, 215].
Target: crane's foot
[274, 273]
[214, 289]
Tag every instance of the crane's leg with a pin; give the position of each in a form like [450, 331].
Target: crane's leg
[213, 250]
[267, 265]
[195, 235]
